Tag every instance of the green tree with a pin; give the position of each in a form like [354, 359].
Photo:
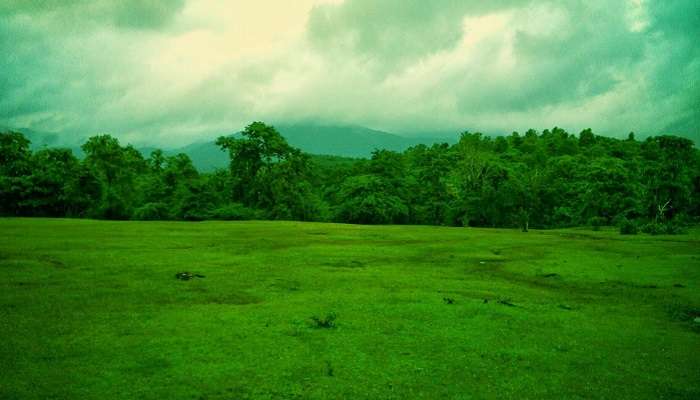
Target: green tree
[267, 173]
[117, 168]
[367, 199]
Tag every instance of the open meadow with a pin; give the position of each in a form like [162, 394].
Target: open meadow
[283, 310]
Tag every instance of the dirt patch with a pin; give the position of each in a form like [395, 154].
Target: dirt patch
[678, 285]
[688, 315]
[345, 264]
[684, 313]
[506, 302]
[281, 284]
[631, 285]
[202, 296]
[234, 298]
[52, 261]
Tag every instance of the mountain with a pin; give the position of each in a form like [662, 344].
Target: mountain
[41, 140]
[344, 141]
[38, 139]
[348, 141]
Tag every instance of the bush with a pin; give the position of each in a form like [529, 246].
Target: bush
[152, 212]
[596, 222]
[673, 228]
[652, 228]
[628, 227]
[326, 323]
[195, 216]
[234, 212]
[667, 228]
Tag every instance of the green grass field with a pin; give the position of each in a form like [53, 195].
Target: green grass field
[92, 310]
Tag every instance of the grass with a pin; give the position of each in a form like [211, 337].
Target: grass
[92, 310]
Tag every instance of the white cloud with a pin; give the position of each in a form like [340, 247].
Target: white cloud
[216, 65]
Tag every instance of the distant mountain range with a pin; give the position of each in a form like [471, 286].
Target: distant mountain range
[37, 139]
[345, 141]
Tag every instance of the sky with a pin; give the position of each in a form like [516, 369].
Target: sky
[176, 71]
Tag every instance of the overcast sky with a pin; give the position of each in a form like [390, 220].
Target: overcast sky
[174, 71]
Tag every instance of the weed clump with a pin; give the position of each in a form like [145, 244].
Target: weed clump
[324, 323]
[628, 227]
[666, 228]
[596, 223]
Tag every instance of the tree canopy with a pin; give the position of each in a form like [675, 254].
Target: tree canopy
[542, 179]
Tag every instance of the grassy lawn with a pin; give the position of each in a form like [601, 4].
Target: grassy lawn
[92, 310]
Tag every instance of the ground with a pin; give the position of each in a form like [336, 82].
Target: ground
[93, 310]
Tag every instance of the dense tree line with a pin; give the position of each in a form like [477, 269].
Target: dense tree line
[539, 179]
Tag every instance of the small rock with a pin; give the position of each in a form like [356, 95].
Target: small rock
[696, 320]
[186, 276]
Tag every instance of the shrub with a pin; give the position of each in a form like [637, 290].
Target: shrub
[327, 322]
[628, 227]
[195, 216]
[234, 212]
[652, 228]
[152, 212]
[596, 222]
[667, 228]
[673, 228]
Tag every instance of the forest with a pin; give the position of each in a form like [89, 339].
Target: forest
[548, 179]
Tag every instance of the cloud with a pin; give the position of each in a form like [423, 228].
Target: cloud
[79, 14]
[174, 71]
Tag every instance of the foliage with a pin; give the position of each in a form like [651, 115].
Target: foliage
[628, 227]
[663, 228]
[596, 222]
[152, 212]
[551, 179]
[234, 212]
[326, 322]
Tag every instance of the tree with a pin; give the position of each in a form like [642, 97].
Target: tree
[610, 191]
[15, 174]
[268, 173]
[116, 167]
[586, 138]
[670, 163]
[367, 199]
[546, 180]
[55, 188]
